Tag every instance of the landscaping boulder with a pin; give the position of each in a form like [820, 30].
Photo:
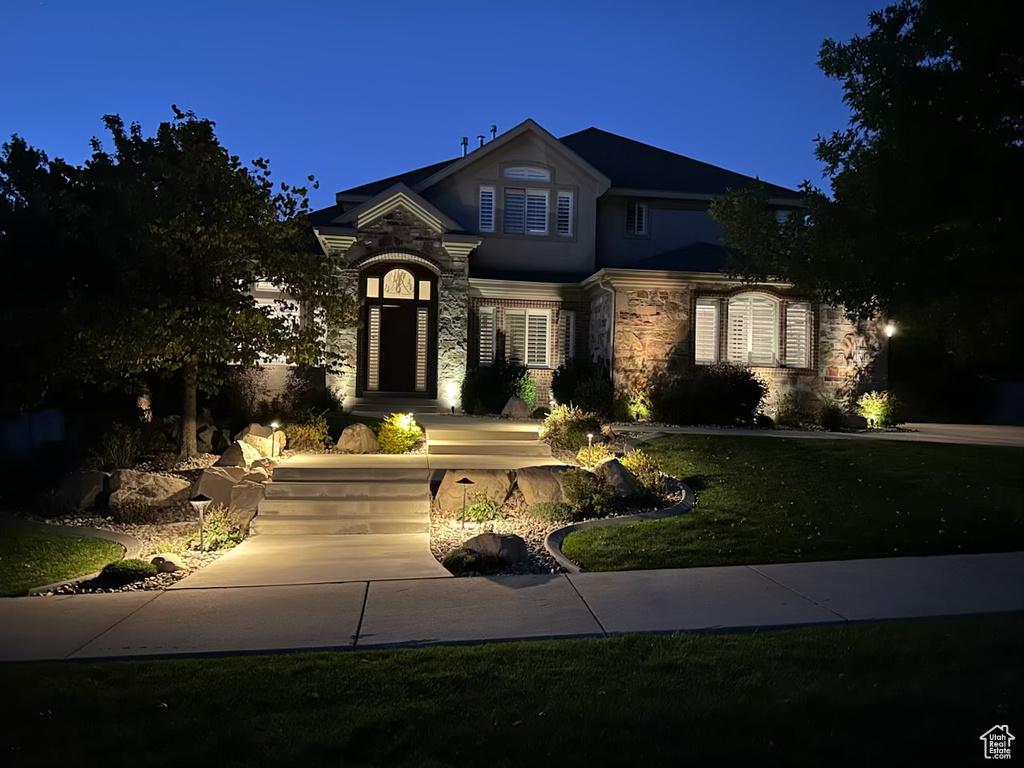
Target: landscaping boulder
[217, 482]
[167, 562]
[541, 484]
[257, 475]
[204, 438]
[620, 478]
[255, 429]
[515, 408]
[154, 490]
[266, 463]
[238, 455]
[856, 421]
[492, 485]
[82, 489]
[221, 440]
[506, 547]
[264, 445]
[358, 438]
[246, 497]
[279, 440]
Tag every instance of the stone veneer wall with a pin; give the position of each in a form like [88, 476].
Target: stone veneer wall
[601, 310]
[652, 333]
[452, 335]
[341, 343]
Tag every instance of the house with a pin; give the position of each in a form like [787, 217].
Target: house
[541, 249]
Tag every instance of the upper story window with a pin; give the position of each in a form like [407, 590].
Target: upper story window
[486, 209]
[528, 173]
[563, 213]
[526, 211]
[636, 218]
[782, 215]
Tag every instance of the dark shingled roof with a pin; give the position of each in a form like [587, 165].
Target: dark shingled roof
[634, 165]
[530, 276]
[696, 257]
[409, 178]
[325, 215]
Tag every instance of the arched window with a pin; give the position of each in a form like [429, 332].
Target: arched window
[753, 330]
[528, 173]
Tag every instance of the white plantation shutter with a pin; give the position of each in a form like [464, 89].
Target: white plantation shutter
[706, 331]
[537, 339]
[563, 213]
[798, 334]
[753, 330]
[486, 209]
[528, 173]
[515, 210]
[567, 341]
[515, 335]
[536, 212]
[373, 349]
[421, 349]
[636, 218]
[485, 321]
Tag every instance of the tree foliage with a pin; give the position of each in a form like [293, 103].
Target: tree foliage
[923, 222]
[147, 253]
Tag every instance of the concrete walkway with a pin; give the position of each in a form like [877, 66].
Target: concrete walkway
[957, 434]
[372, 614]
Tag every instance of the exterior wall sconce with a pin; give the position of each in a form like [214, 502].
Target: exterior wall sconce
[890, 329]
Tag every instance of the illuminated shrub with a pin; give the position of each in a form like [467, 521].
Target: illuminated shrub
[587, 494]
[568, 426]
[647, 471]
[309, 434]
[881, 409]
[591, 456]
[399, 433]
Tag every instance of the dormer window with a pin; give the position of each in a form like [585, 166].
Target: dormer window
[528, 173]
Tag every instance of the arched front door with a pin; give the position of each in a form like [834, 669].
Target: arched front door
[398, 345]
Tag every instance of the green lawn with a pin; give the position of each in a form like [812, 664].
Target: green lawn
[918, 693]
[31, 558]
[771, 500]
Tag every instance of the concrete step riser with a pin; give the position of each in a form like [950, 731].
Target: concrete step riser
[286, 474]
[496, 449]
[383, 509]
[482, 434]
[342, 491]
[268, 526]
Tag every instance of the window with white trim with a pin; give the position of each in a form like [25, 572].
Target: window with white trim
[527, 338]
[486, 209]
[753, 330]
[567, 335]
[485, 335]
[563, 213]
[705, 331]
[636, 218]
[528, 173]
[798, 334]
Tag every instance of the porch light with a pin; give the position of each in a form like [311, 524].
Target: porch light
[199, 503]
[890, 329]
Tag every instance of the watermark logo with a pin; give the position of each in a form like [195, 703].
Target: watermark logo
[997, 742]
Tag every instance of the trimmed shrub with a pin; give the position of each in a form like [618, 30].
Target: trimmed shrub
[309, 434]
[595, 396]
[881, 408]
[568, 426]
[724, 394]
[483, 512]
[797, 408]
[593, 455]
[587, 494]
[466, 561]
[121, 446]
[585, 383]
[764, 421]
[647, 471]
[832, 416]
[550, 511]
[399, 433]
[487, 388]
[127, 572]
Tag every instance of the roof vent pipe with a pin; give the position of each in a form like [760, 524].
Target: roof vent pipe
[480, 136]
[465, 145]
[494, 132]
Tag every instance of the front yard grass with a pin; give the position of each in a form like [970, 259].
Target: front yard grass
[31, 558]
[916, 693]
[771, 500]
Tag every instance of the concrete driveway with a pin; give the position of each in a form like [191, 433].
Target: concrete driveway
[263, 561]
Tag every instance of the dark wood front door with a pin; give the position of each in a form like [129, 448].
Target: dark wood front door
[398, 347]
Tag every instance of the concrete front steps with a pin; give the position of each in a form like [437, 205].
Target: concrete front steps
[383, 404]
[491, 438]
[343, 500]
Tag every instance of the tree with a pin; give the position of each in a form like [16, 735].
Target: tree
[923, 221]
[171, 232]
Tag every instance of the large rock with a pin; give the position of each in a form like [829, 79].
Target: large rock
[856, 421]
[620, 478]
[204, 438]
[154, 490]
[515, 408]
[506, 547]
[221, 440]
[358, 438]
[255, 429]
[167, 562]
[238, 455]
[246, 497]
[257, 475]
[81, 490]
[267, 464]
[279, 440]
[541, 484]
[217, 482]
[488, 485]
[265, 445]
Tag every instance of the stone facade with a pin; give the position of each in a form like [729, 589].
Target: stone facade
[342, 344]
[652, 333]
[452, 334]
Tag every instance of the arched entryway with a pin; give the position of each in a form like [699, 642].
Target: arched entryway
[398, 342]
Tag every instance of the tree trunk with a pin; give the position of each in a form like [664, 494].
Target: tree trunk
[188, 412]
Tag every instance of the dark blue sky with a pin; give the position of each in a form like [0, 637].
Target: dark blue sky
[353, 91]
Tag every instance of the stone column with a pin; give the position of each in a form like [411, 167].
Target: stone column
[452, 333]
[342, 344]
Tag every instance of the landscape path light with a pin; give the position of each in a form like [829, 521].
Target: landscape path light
[465, 483]
[199, 503]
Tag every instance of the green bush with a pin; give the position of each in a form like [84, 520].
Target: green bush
[399, 433]
[135, 511]
[724, 394]
[550, 511]
[647, 471]
[764, 421]
[466, 561]
[121, 446]
[595, 396]
[487, 388]
[127, 572]
[587, 494]
[308, 434]
[584, 383]
[483, 512]
[591, 456]
[638, 403]
[220, 531]
[832, 416]
[568, 426]
[797, 408]
[881, 409]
